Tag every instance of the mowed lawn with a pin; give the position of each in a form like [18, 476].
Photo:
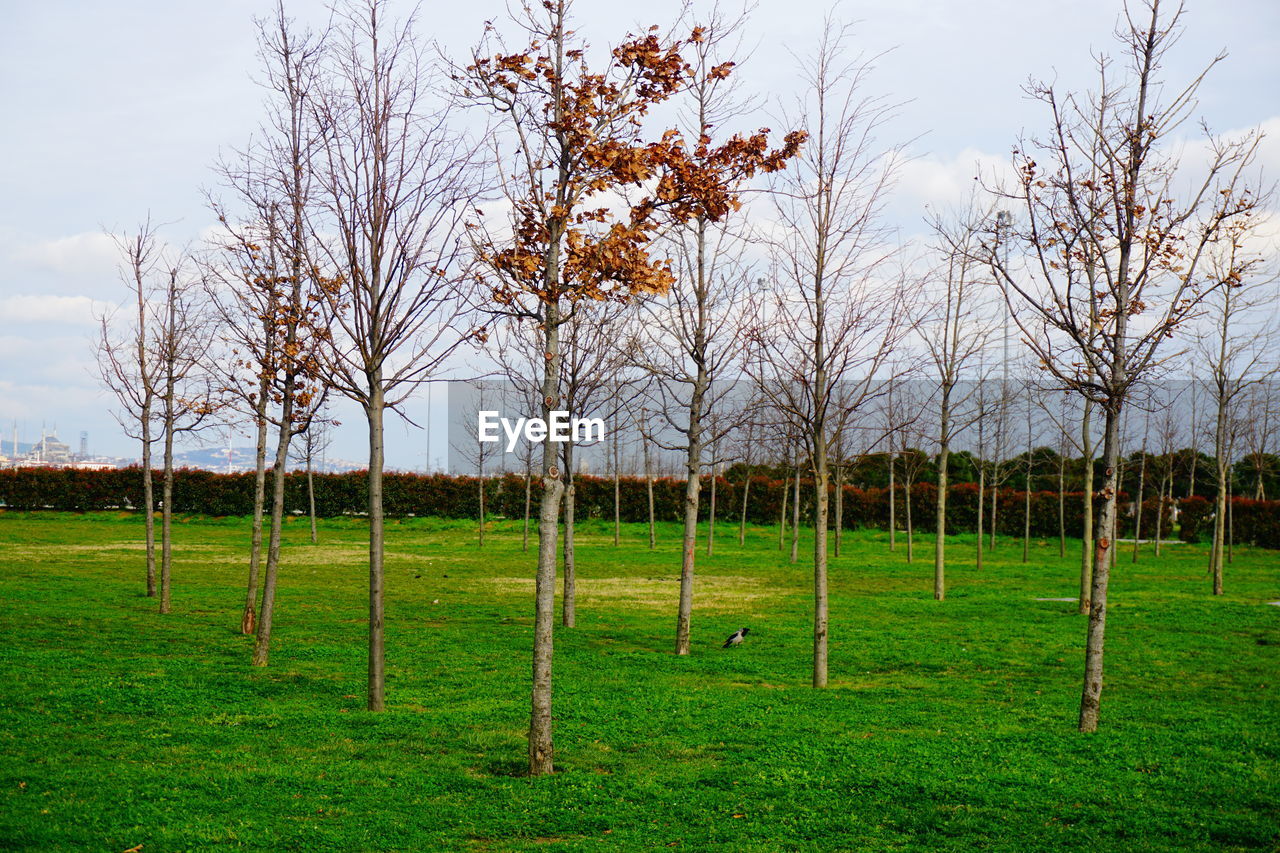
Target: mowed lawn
[947, 725]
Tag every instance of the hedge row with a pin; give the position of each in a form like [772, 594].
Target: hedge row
[443, 496]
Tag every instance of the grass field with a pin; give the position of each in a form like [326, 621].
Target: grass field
[947, 726]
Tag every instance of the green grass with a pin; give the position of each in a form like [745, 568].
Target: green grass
[947, 726]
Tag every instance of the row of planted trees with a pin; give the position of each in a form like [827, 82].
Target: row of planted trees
[616, 216]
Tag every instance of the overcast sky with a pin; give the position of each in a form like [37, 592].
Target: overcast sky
[115, 111]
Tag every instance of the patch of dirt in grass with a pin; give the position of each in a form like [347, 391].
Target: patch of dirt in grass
[713, 592]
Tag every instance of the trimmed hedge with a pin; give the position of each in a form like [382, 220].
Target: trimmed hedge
[442, 496]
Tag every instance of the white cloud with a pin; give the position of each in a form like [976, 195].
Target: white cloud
[84, 254]
[49, 308]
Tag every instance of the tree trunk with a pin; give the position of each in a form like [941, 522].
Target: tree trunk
[148, 500]
[249, 617]
[795, 516]
[742, 523]
[262, 647]
[541, 752]
[1091, 696]
[982, 484]
[528, 502]
[893, 506]
[940, 541]
[1062, 507]
[480, 526]
[1217, 550]
[374, 411]
[617, 495]
[692, 491]
[1137, 520]
[166, 510]
[569, 602]
[166, 516]
[839, 531]
[995, 493]
[648, 486]
[311, 499]
[711, 516]
[906, 497]
[1086, 555]
[782, 521]
[820, 508]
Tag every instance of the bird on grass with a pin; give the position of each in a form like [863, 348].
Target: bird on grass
[735, 639]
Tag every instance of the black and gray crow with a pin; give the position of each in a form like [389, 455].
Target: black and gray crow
[735, 638]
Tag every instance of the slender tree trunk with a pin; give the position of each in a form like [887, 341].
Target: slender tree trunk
[262, 647]
[1091, 696]
[995, 493]
[249, 617]
[528, 501]
[541, 751]
[893, 506]
[1026, 519]
[1231, 526]
[795, 516]
[569, 602]
[480, 525]
[374, 411]
[940, 539]
[906, 498]
[1217, 552]
[839, 533]
[311, 499]
[148, 499]
[166, 514]
[1086, 537]
[742, 523]
[1062, 506]
[170, 425]
[692, 495]
[711, 516]
[982, 483]
[1137, 520]
[820, 508]
[617, 496]
[782, 522]
[648, 486]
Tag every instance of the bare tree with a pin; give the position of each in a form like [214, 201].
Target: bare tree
[394, 183]
[832, 321]
[1239, 353]
[1108, 243]
[129, 366]
[184, 396]
[955, 331]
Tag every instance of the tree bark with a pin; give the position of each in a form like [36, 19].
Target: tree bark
[782, 521]
[374, 411]
[1091, 696]
[541, 751]
[311, 499]
[249, 617]
[148, 501]
[1086, 555]
[262, 647]
[569, 601]
[711, 515]
[940, 542]
[795, 516]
